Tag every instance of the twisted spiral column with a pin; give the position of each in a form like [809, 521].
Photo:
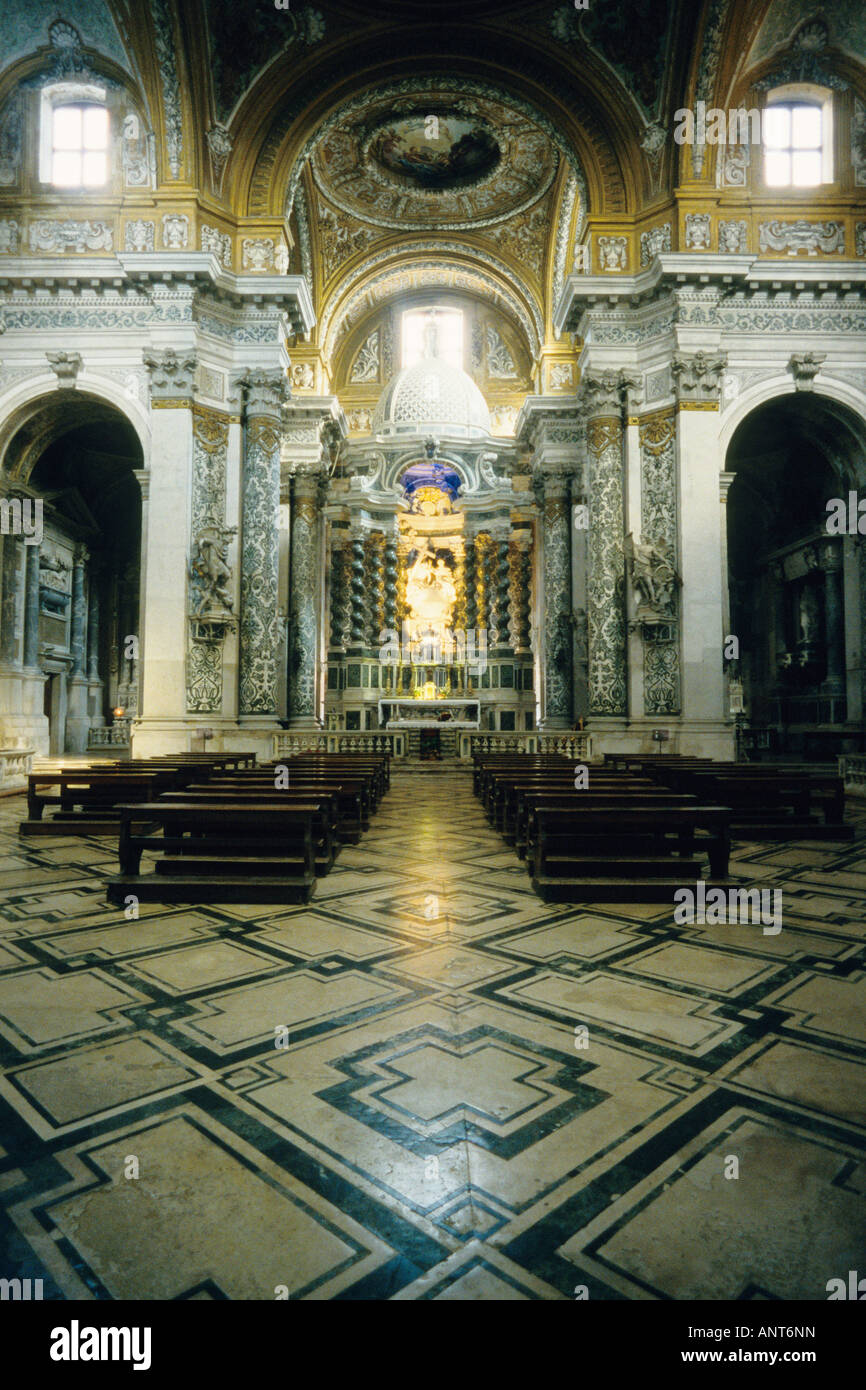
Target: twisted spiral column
[503, 593]
[338, 594]
[358, 627]
[376, 578]
[471, 600]
[391, 583]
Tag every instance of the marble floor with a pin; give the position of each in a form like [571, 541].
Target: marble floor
[428, 1084]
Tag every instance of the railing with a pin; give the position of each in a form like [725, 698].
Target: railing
[338, 741]
[16, 765]
[569, 744]
[852, 770]
[111, 736]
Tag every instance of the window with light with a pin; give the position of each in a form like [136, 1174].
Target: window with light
[797, 140]
[79, 145]
[432, 332]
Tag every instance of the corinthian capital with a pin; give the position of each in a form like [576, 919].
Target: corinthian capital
[605, 393]
[264, 392]
[698, 375]
[171, 377]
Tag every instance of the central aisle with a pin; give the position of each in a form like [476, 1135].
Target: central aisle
[425, 1082]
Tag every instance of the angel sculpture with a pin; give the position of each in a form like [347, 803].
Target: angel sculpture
[210, 570]
[653, 575]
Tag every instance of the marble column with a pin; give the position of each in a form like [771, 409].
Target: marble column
[77, 720]
[390, 557]
[93, 629]
[338, 579]
[31, 609]
[358, 589]
[503, 591]
[9, 604]
[558, 644]
[706, 726]
[162, 621]
[520, 558]
[264, 393]
[471, 596]
[834, 618]
[606, 625]
[376, 587]
[302, 620]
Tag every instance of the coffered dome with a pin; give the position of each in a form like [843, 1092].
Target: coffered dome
[432, 395]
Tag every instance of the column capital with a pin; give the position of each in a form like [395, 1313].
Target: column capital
[142, 477]
[804, 367]
[65, 366]
[610, 392]
[554, 481]
[172, 377]
[830, 556]
[264, 392]
[698, 378]
[725, 480]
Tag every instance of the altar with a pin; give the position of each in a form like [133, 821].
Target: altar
[429, 714]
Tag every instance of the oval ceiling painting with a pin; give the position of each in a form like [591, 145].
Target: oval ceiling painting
[442, 155]
[438, 150]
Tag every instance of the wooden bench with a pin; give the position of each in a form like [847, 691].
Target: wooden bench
[357, 792]
[98, 795]
[572, 854]
[769, 802]
[346, 804]
[220, 852]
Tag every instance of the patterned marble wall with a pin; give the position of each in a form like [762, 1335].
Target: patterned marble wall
[259, 628]
[303, 625]
[657, 435]
[557, 601]
[605, 588]
[204, 675]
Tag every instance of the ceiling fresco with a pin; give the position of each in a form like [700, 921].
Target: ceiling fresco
[631, 36]
[245, 39]
[424, 160]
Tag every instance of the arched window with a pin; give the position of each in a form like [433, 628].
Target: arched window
[74, 136]
[797, 131]
[434, 331]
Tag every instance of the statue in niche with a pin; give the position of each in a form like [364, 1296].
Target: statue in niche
[210, 571]
[653, 576]
[809, 616]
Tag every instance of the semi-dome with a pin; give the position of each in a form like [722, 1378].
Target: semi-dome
[432, 395]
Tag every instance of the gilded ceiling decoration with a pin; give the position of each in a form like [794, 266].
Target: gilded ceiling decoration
[434, 159]
[244, 39]
[525, 236]
[632, 38]
[340, 237]
[367, 286]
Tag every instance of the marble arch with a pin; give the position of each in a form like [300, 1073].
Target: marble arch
[372, 287]
[830, 389]
[51, 413]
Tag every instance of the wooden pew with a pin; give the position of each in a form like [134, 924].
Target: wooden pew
[346, 814]
[97, 794]
[262, 853]
[769, 801]
[571, 858]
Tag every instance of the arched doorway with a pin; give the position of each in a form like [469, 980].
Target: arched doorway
[796, 589]
[71, 590]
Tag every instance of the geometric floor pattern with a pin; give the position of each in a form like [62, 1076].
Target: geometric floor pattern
[428, 1084]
